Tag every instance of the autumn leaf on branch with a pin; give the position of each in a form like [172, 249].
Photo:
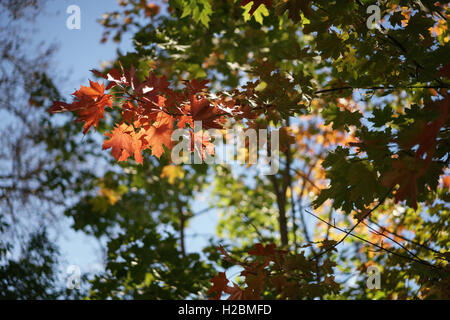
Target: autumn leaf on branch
[160, 134]
[90, 103]
[227, 255]
[296, 72]
[236, 293]
[202, 110]
[151, 108]
[124, 142]
[114, 76]
[406, 177]
[220, 284]
[195, 86]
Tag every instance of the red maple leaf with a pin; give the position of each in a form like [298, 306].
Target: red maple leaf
[194, 86]
[220, 285]
[129, 111]
[90, 104]
[152, 86]
[202, 110]
[405, 177]
[255, 279]
[235, 292]
[124, 142]
[266, 251]
[406, 173]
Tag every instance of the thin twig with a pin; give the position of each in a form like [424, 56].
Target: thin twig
[375, 245]
[356, 224]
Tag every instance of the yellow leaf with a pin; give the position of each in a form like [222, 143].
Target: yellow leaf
[172, 172]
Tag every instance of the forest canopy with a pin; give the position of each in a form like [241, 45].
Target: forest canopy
[338, 185]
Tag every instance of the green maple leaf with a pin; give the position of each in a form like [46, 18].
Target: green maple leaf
[341, 119]
[381, 116]
[258, 14]
[199, 10]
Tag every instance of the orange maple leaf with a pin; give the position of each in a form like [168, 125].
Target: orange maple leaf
[90, 104]
[185, 120]
[124, 142]
[160, 134]
[95, 91]
[446, 181]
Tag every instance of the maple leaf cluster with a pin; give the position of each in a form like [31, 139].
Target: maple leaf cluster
[151, 111]
[290, 276]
